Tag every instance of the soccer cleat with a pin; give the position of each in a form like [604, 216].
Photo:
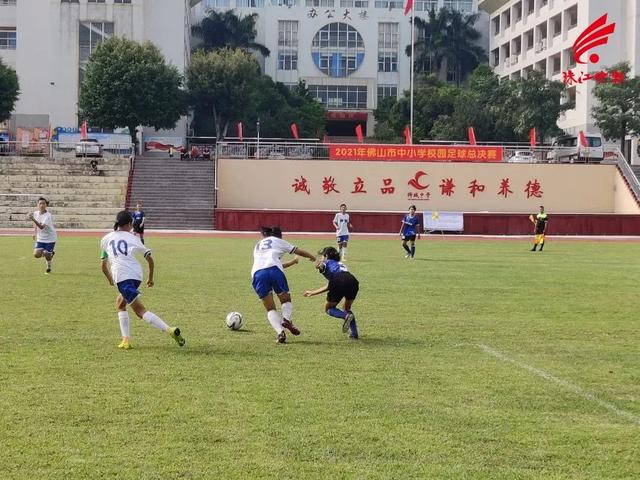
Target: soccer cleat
[291, 327]
[281, 338]
[125, 345]
[348, 318]
[174, 332]
[407, 255]
[353, 330]
[47, 271]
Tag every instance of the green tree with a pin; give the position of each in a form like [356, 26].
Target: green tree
[9, 90]
[221, 82]
[227, 30]
[535, 102]
[130, 84]
[618, 110]
[277, 107]
[447, 45]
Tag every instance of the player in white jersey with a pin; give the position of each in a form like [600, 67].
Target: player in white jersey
[268, 276]
[343, 227]
[118, 248]
[45, 233]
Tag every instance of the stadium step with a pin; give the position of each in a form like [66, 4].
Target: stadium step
[78, 198]
[175, 194]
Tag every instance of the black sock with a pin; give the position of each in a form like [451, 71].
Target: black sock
[406, 248]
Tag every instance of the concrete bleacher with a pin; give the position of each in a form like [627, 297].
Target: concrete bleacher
[79, 195]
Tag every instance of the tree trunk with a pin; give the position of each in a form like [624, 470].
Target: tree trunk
[216, 122]
[134, 138]
[622, 141]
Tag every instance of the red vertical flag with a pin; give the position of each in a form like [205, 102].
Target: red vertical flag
[359, 133]
[408, 7]
[583, 139]
[532, 137]
[294, 131]
[407, 135]
[472, 136]
[240, 130]
[83, 130]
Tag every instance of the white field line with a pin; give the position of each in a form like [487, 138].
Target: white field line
[576, 390]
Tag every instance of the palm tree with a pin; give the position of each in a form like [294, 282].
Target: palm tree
[446, 45]
[226, 29]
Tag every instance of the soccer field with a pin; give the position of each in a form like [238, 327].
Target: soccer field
[478, 360]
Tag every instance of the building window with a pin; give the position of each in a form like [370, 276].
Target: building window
[464, 6]
[91, 35]
[337, 49]
[217, 3]
[355, 3]
[250, 3]
[388, 37]
[121, 1]
[96, 1]
[319, 3]
[425, 5]
[287, 45]
[7, 2]
[69, 1]
[385, 91]
[389, 4]
[340, 96]
[7, 38]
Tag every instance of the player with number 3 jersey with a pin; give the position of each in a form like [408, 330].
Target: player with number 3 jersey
[268, 277]
[118, 249]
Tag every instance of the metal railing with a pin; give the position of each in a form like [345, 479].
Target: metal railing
[272, 150]
[63, 150]
[628, 174]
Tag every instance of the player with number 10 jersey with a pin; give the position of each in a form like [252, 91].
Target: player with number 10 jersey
[118, 248]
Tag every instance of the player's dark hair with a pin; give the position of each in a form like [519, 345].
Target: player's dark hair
[412, 206]
[343, 205]
[331, 253]
[46, 202]
[123, 218]
[271, 231]
[276, 232]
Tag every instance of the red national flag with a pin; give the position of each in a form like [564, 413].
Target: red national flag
[326, 139]
[83, 130]
[532, 137]
[583, 139]
[294, 131]
[240, 130]
[359, 133]
[407, 135]
[472, 136]
[408, 7]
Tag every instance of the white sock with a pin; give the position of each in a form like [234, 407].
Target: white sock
[275, 320]
[123, 317]
[287, 311]
[344, 252]
[155, 321]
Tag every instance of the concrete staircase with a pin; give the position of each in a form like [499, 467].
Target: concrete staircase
[175, 194]
[79, 196]
[636, 170]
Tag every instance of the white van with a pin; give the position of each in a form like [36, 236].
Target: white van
[567, 148]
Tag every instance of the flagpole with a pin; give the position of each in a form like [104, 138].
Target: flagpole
[413, 18]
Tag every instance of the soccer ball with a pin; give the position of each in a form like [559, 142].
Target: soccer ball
[234, 320]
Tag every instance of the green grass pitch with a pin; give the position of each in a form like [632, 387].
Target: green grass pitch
[478, 360]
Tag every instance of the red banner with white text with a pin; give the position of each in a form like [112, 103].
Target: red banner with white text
[416, 153]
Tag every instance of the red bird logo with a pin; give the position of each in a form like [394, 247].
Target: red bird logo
[594, 35]
[415, 181]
